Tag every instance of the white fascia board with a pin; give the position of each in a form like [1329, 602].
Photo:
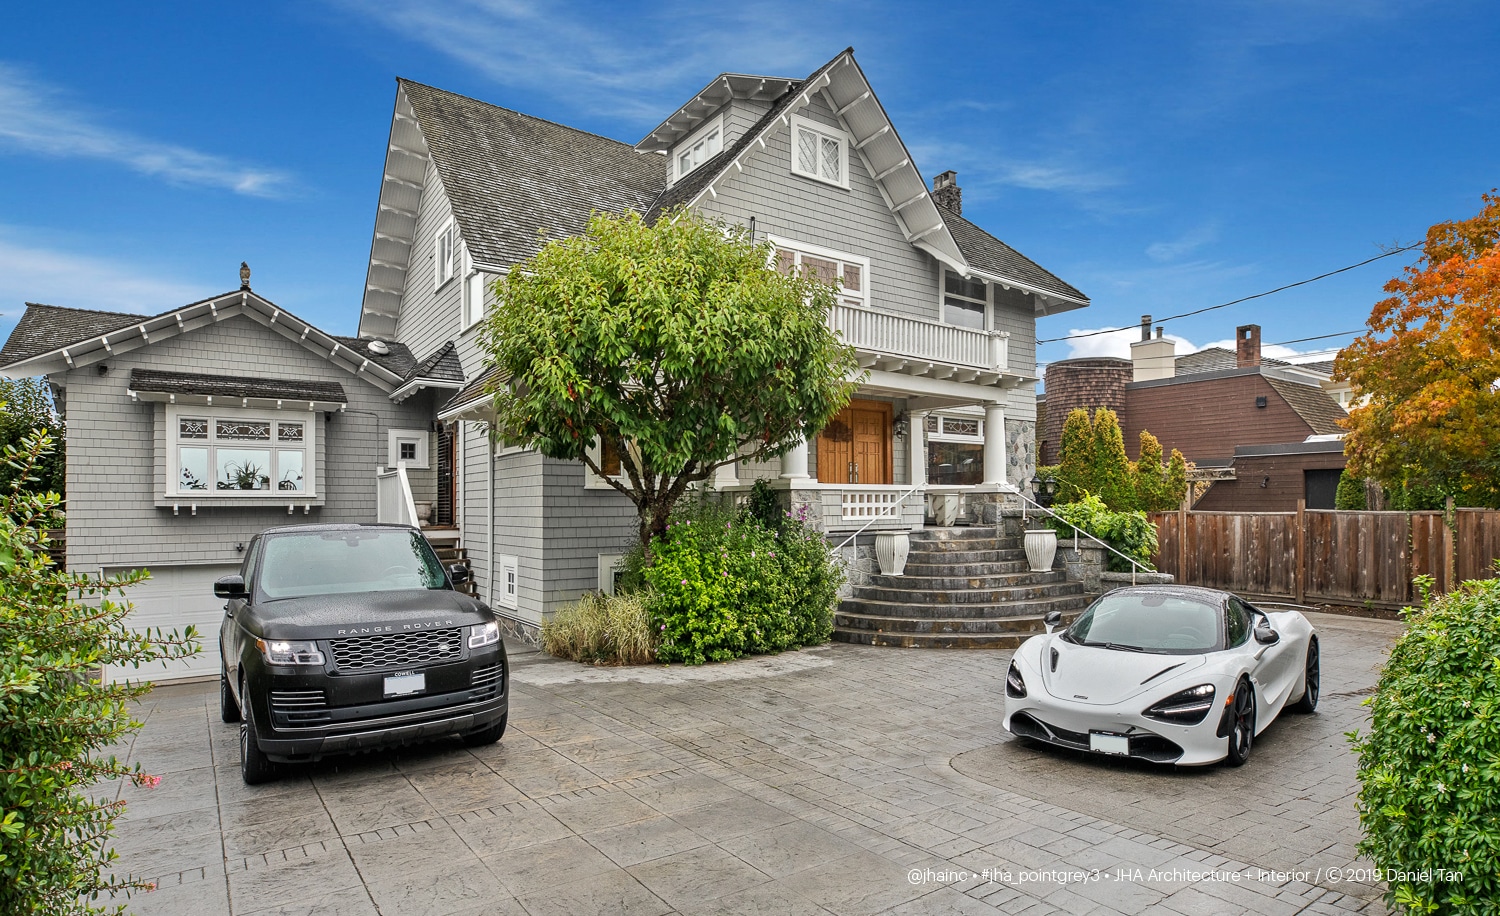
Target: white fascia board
[931, 387]
[417, 384]
[1009, 281]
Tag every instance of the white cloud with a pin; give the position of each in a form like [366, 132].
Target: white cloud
[580, 57]
[1184, 244]
[29, 273]
[37, 118]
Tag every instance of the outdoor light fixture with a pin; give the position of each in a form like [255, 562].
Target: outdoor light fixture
[1045, 489]
[900, 425]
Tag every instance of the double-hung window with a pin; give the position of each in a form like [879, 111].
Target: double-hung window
[444, 254]
[223, 452]
[963, 301]
[702, 145]
[820, 151]
[474, 281]
[849, 275]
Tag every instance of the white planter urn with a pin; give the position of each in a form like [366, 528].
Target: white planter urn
[1041, 547]
[424, 512]
[890, 551]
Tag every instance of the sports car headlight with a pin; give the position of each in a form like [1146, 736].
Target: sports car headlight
[1186, 707]
[1015, 685]
[484, 634]
[288, 652]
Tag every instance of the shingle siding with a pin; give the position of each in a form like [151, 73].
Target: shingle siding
[429, 317]
[581, 524]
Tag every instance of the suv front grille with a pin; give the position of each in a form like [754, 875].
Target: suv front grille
[396, 650]
[487, 679]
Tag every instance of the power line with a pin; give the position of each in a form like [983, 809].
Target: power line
[1222, 305]
[1282, 343]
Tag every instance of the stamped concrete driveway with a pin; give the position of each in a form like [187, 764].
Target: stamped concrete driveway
[845, 780]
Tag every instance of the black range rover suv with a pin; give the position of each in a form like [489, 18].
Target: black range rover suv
[341, 638]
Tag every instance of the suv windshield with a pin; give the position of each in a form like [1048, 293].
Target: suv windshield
[296, 565]
[1146, 622]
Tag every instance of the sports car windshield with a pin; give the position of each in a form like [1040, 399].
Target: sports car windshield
[1147, 622]
[347, 561]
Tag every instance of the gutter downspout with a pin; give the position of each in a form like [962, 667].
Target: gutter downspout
[489, 446]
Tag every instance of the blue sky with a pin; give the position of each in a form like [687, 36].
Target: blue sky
[1160, 156]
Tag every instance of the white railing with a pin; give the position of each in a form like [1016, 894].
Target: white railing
[1135, 565]
[918, 338]
[393, 502]
[891, 510]
[859, 506]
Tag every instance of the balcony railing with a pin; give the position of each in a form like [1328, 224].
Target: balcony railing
[885, 334]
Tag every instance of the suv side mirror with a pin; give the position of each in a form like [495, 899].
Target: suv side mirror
[459, 573]
[1265, 635]
[230, 587]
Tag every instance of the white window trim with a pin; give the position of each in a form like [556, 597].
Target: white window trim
[798, 122]
[308, 446]
[475, 281]
[610, 566]
[707, 128]
[941, 436]
[442, 267]
[592, 481]
[395, 437]
[508, 581]
[828, 254]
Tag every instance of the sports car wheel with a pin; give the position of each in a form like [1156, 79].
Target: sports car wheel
[1242, 725]
[1314, 682]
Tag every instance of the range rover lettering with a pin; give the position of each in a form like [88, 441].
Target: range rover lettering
[345, 638]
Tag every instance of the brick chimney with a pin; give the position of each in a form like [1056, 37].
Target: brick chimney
[1247, 346]
[947, 193]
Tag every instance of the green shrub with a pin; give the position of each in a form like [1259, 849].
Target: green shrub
[1075, 470]
[1350, 493]
[1429, 768]
[57, 721]
[722, 586]
[602, 630]
[1112, 480]
[1131, 533]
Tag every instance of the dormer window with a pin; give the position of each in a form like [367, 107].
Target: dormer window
[700, 146]
[820, 152]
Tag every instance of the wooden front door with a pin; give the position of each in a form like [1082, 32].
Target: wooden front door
[855, 446]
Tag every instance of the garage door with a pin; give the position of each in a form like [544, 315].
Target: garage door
[173, 598]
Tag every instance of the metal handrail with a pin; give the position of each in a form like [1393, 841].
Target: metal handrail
[880, 515]
[1135, 565]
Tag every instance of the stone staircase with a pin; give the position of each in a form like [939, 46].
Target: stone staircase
[963, 588]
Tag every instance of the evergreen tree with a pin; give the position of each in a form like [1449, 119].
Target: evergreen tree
[1350, 493]
[1075, 469]
[1111, 466]
[1150, 477]
[1177, 482]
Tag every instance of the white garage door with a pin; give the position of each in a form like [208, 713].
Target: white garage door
[173, 598]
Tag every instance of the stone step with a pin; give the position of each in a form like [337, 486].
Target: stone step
[943, 598]
[1021, 630]
[966, 569]
[956, 545]
[952, 534]
[878, 608]
[930, 557]
[936, 625]
[1013, 579]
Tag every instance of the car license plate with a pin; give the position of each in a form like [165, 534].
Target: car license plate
[1109, 744]
[400, 685]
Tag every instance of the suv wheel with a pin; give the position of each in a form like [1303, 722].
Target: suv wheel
[229, 710]
[255, 766]
[487, 735]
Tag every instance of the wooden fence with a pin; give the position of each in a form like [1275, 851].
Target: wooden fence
[1329, 557]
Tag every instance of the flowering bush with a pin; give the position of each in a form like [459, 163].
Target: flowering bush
[56, 718]
[722, 585]
[1429, 768]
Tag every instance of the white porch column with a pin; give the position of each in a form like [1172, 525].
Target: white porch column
[794, 462]
[994, 444]
[917, 438]
[726, 475]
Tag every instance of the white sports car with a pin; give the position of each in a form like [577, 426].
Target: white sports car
[1167, 673]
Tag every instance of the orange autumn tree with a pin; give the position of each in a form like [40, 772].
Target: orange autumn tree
[1429, 366]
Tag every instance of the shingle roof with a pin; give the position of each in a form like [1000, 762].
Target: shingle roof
[510, 175]
[1216, 359]
[1312, 404]
[44, 328]
[1325, 366]
[399, 360]
[476, 389]
[987, 253]
[232, 386]
[442, 364]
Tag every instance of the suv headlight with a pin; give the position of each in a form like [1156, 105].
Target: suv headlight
[289, 652]
[484, 634]
[1015, 685]
[1186, 707]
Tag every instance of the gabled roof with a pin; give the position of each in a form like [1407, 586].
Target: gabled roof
[1215, 359]
[711, 98]
[1312, 404]
[51, 339]
[472, 402]
[996, 260]
[441, 365]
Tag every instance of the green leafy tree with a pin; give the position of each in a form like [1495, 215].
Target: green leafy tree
[1075, 468]
[674, 345]
[57, 721]
[1111, 466]
[1150, 476]
[28, 411]
[1350, 493]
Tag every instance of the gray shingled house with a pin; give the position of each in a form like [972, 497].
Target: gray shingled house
[165, 412]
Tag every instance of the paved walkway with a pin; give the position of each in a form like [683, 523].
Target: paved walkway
[844, 780]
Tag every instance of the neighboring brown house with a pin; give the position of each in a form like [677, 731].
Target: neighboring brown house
[1271, 424]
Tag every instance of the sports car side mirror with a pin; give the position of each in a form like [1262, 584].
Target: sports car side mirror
[1052, 620]
[230, 587]
[1266, 636]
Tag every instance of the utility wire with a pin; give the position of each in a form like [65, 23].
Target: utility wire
[1282, 343]
[1222, 305]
